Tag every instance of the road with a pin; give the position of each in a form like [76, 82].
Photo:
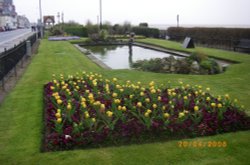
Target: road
[10, 38]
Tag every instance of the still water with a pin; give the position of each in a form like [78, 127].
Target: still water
[121, 57]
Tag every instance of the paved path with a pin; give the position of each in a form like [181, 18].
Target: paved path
[11, 38]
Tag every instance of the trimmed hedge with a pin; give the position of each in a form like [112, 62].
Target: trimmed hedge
[77, 31]
[214, 37]
[147, 32]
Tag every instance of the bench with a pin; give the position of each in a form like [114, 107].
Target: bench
[243, 44]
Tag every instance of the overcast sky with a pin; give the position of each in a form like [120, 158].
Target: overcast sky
[208, 12]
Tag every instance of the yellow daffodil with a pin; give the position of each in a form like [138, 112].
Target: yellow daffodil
[185, 97]
[141, 93]
[159, 98]
[208, 89]
[147, 100]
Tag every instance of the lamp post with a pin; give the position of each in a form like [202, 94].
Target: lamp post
[177, 20]
[41, 18]
[100, 14]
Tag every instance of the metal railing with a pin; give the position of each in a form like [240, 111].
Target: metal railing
[10, 58]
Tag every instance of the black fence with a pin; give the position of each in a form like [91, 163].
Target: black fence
[10, 58]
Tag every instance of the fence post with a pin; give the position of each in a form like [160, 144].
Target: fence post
[3, 85]
[28, 48]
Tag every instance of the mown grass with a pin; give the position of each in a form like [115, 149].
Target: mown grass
[21, 114]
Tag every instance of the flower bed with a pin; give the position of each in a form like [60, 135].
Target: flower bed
[87, 111]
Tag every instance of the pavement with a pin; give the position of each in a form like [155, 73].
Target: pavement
[11, 42]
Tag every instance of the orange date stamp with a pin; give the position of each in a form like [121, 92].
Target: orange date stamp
[202, 144]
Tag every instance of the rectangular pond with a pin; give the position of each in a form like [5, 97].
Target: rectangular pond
[121, 56]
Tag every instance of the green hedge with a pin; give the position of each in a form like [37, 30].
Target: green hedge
[147, 32]
[214, 37]
[77, 31]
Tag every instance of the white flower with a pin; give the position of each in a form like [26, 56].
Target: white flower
[67, 137]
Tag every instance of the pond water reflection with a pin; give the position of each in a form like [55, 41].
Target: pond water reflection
[121, 57]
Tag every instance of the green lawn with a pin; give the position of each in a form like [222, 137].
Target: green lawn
[21, 122]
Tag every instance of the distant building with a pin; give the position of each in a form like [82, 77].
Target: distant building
[8, 15]
[22, 22]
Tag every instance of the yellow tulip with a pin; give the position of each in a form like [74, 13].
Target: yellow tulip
[58, 115]
[119, 108]
[59, 101]
[114, 95]
[196, 108]
[109, 113]
[139, 104]
[102, 107]
[154, 106]
[163, 108]
[83, 104]
[69, 107]
[124, 108]
[147, 100]
[213, 105]
[166, 115]
[181, 114]
[93, 120]
[219, 105]
[59, 120]
[146, 114]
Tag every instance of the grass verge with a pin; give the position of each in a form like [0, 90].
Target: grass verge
[21, 121]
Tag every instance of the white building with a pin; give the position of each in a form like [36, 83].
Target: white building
[8, 15]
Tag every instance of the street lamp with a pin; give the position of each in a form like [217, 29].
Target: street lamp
[100, 14]
[41, 22]
[40, 10]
